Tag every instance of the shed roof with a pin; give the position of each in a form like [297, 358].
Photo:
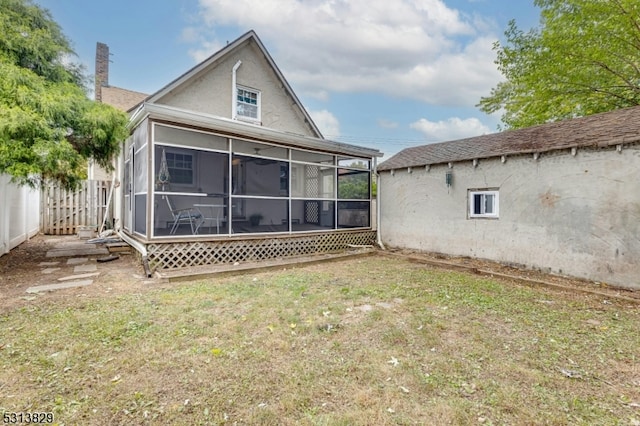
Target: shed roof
[233, 128]
[599, 130]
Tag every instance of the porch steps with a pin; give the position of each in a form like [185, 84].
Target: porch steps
[120, 247]
[75, 249]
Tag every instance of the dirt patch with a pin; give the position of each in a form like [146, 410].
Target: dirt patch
[28, 265]
[521, 274]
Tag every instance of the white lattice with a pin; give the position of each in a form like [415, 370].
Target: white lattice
[195, 253]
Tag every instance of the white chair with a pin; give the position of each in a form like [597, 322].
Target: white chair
[185, 215]
[211, 213]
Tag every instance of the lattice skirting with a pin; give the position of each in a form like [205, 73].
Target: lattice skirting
[195, 253]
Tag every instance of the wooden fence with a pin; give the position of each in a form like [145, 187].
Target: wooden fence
[63, 212]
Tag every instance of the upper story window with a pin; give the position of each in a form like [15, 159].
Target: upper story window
[247, 103]
[483, 203]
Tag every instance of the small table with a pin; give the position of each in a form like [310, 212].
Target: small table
[210, 212]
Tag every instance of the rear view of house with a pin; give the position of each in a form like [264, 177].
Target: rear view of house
[561, 197]
[224, 164]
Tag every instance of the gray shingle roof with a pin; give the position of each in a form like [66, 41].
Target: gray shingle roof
[598, 130]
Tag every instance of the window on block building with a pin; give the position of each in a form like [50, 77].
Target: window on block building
[483, 204]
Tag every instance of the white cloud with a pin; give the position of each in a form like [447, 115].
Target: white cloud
[206, 49]
[190, 35]
[319, 94]
[451, 129]
[326, 122]
[416, 49]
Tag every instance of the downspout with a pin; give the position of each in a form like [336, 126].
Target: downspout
[140, 248]
[233, 89]
[375, 172]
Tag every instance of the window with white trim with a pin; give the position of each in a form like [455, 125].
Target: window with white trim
[483, 203]
[181, 168]
[247, 103]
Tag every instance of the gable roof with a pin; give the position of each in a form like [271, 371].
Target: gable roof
[598, 130]
[122, 99]
[245, 38]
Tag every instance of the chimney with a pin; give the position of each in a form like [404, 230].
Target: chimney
[102, 69]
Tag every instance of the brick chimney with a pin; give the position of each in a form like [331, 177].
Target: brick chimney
[102, 69]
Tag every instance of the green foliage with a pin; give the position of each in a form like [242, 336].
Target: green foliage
[582, 60]
[49, 128]
[374, 186]
[354, 186]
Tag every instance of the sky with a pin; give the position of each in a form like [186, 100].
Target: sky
[385, 74]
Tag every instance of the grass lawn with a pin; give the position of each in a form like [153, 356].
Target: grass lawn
[368, 341]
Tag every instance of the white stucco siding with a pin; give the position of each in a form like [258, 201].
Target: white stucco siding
[210, 92]
[577, 215]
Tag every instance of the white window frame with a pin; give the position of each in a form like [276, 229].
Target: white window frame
[239, 103]
[190, 152]
[483, 194]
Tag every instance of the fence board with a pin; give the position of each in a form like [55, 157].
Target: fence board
[63, 212]
[18, 220]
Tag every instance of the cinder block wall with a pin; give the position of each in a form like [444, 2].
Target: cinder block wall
[571, 214]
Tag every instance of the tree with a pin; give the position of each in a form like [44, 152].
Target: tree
[583, 59]
[355, 185]
[49, 128]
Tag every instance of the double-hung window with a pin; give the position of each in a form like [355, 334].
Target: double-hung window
[180, 167]
[483, 203]
[247, 103]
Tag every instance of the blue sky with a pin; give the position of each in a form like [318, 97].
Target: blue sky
[386, 74]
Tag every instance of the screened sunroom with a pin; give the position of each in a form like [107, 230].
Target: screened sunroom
[186, 183]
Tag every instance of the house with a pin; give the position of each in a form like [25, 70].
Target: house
[562, 197]
[224, 164]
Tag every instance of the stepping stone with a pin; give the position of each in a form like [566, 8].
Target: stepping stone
[77, 252]
[48, 263]
[50, 270]
[58, 286]
[85, 268]
[73, 245]
[77, 260]
[77, 277]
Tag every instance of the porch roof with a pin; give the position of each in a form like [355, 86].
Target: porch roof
[234, 128]
[599, 130]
